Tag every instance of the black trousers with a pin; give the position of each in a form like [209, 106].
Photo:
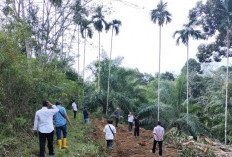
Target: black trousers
[116, 122]
[136, 131]
[42, 141]
[75, 113]
[160, 147]
[130, 125]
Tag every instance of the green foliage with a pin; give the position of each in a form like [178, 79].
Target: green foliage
[24, 84]
[160, 14]
[167, 76]
[215, 18]
[194, 66]
[187, 32]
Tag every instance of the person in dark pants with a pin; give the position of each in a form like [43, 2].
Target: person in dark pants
[158, 137]
[130, 121]
[86, 115]
[117, 116]
[44, 125]
[42, 142]
[136, 129]
[74, 106]
[110, 132]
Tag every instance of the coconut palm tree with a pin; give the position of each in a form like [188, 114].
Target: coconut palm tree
[86, 32]
[115, 24]
[98, 21]
[160, 15]
[184, 35]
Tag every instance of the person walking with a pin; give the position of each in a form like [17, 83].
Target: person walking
[110, 132]
[86, 115]
[158, 137]
[74, 106]
[61, 119]
[130, 121]
[117, 116]
[136, 129]
[43, 124]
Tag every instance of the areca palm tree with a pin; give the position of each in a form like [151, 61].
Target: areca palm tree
[115, 24]
[162, 16]
[98, 21]
[184, 35]
[86, 32]
[79, 14]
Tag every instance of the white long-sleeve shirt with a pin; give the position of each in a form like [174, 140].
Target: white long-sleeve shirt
[44, 119]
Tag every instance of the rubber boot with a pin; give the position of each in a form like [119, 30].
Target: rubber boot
[59, 143]
[64, 142]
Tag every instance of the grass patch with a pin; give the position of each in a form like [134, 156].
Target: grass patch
[79, 143]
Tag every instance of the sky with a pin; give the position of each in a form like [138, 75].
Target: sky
[138, 39]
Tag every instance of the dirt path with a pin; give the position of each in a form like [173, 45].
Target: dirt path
[126, 145]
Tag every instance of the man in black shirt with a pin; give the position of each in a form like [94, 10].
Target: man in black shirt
[136, 121]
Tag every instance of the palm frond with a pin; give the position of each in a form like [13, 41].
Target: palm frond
[194, 127]
[160, 14]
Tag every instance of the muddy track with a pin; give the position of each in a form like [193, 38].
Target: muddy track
[126, 145]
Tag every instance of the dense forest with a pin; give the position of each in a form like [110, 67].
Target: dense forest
[36, 64]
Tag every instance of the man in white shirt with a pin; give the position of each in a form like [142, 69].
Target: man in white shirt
[158, 137]
[110, 132]
[44, 125]
[130, 121]
[74, 106]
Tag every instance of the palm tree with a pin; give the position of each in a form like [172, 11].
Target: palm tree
[86, 32]
[79, 14]
[160, 15]
[98, 21]
[115, 24]
[184, 34]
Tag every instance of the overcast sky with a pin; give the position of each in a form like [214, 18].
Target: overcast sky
[138, 40]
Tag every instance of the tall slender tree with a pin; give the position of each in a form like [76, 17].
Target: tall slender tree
[215, 17]
[99, 22]
[115, 24]
[79, 14]
[184, 35]
[162, 16]
[86, 32]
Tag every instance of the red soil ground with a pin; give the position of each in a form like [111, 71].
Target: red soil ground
[126, 145]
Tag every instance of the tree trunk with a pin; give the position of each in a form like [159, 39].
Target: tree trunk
[62, 39]
[99, 62]
[70, 45]
[19, 7]
[28, 49]
[187, 82]
[227, 79]
[159, 74]
[108, 85]
[42, 42]
[78, 49]
[84, 64]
